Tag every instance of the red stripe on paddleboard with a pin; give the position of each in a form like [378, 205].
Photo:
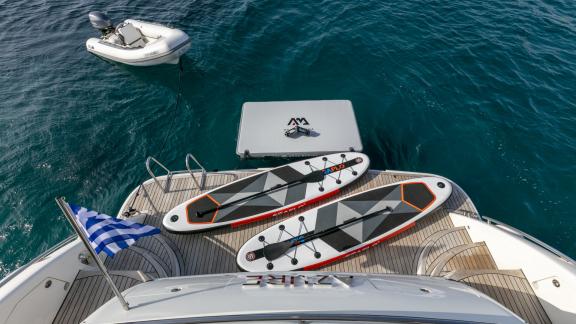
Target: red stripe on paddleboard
[323, 263]
[286, 210]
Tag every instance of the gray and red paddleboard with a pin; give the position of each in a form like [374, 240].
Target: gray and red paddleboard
[333, 231]
[268, 193]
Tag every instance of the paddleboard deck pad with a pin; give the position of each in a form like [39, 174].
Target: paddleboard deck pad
[347, 226]
[269, 193]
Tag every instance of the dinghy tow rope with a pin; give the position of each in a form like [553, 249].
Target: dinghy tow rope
[178, 99]
[130, 208]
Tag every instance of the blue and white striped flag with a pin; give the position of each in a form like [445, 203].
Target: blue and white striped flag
[107, 233]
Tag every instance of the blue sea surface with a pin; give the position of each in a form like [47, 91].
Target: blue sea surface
[481, 92]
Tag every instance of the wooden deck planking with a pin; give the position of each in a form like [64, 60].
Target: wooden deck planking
[475, 258]
[86, 294]
[215, 251]
[510, 288]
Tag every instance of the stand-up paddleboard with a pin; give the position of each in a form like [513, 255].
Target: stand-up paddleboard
[328, 233]
[269, 193]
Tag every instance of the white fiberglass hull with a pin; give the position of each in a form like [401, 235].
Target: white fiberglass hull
[296, 297]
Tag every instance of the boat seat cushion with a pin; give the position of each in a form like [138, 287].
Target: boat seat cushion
[132, 36]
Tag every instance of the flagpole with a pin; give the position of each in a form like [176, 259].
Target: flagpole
[72, 219]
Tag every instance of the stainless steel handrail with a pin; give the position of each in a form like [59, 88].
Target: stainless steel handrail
[200, 185]
[464, 212]
[168, 172]
[528, 237]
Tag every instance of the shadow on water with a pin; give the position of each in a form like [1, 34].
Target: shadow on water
[166, 75]
[383, 150]
[466, 95]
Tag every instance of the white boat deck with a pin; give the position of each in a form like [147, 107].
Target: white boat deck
[433, 247]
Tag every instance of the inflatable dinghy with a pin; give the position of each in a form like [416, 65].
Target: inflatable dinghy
[136, 42]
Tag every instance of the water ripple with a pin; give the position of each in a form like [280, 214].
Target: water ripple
[480, 92]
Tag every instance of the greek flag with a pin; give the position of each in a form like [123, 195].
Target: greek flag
[107, 233]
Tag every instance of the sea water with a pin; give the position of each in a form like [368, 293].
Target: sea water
[481, 92]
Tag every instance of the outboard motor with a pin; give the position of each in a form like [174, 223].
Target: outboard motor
[101, 22]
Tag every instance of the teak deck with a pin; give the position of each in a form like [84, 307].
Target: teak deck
[432, 247]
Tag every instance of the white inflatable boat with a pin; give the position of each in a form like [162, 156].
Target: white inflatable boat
[136, 42]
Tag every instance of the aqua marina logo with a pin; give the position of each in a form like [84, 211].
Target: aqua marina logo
[298, 121]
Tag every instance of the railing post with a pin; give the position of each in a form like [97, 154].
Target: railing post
[203, 178]
[528, 237]
[168, 172]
